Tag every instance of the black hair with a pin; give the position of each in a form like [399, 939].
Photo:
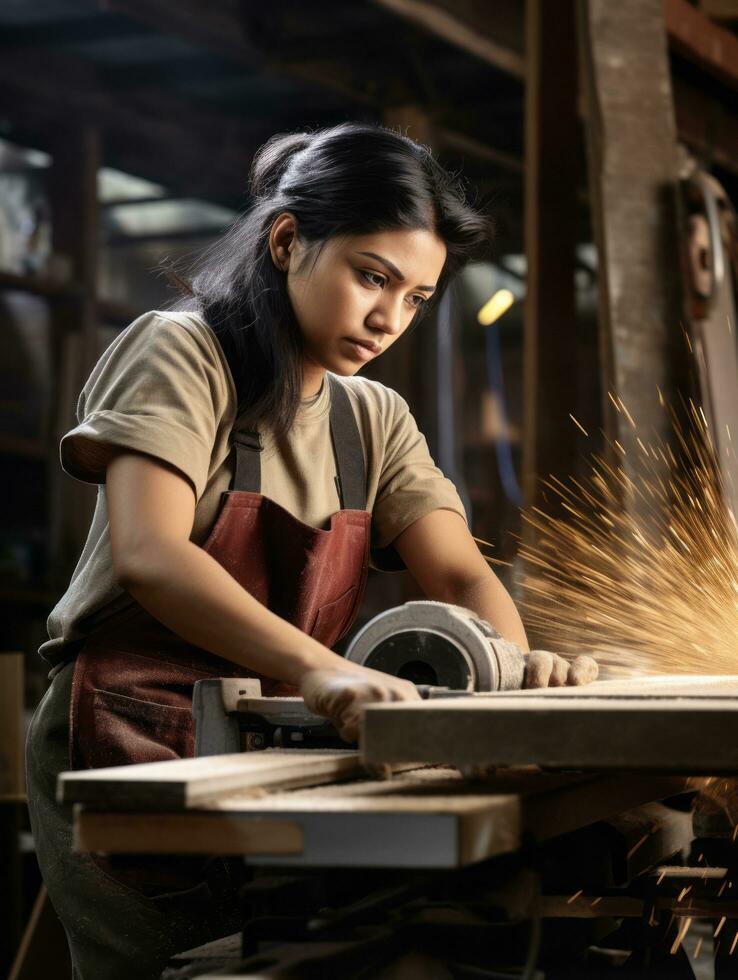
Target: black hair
[349, 179]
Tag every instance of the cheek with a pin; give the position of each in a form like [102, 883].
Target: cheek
[342, 303]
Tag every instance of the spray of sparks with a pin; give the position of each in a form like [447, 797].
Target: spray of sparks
[641, 568]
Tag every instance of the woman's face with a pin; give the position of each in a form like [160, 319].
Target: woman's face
[354, 297]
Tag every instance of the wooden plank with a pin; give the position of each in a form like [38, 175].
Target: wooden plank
[714, 686]
[12, 773]
[423, 819]
[327, 839]
[415, 820]
[186, 833]
[184, 783]
[561, 730]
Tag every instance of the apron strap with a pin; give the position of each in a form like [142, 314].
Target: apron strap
[347, 450]
[247, 475]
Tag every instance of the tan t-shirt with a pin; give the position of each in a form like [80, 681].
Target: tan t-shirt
[164, 388]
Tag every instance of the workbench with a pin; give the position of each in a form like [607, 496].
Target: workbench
[588, 843]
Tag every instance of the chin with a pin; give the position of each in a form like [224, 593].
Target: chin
[344, 367]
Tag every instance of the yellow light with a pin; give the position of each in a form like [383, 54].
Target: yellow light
[495, 306]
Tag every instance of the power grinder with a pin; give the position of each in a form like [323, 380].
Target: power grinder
[439, 645]
[446, 650]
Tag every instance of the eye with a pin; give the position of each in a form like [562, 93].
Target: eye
[417, 301]
[373, 278]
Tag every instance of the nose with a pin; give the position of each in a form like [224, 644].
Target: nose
[386, 316]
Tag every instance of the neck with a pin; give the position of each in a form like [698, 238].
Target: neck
[312, 379]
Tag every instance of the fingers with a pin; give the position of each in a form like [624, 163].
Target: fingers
[404, 692]
[582, 670]
[342, 694]
[544, 669]
[538, 667]
[348, 726]
[559, 672]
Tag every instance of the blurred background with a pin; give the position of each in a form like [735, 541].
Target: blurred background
[602, 137]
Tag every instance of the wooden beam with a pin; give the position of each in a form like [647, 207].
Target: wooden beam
[706, 125]
[224, 30]
[633, 167]
[466, 144]
[550, 441]
[72, 183]
[471, 27]
[678, 725]
[720, 9]
[159, 137]
[219, 26]
[694, 36]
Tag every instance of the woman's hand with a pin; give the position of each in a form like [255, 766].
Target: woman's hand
[544, 669]
[341, 694]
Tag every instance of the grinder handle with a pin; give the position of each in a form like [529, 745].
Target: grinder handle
[428, 692]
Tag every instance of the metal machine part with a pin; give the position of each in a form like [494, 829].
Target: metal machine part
[712, 235]
[439, 644]
[445, 650]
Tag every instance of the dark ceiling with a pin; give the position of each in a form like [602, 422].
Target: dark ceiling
[183, 91]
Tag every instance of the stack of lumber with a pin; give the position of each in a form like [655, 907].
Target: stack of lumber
[318, 808]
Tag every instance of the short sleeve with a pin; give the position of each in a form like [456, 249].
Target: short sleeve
[410, 486]
[158, 389]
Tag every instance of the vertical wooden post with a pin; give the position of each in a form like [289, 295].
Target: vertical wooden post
[402, 370]
[12, 803]
[632, 153]
[551, 153]
[73, 191]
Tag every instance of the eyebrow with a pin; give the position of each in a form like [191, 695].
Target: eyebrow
[391, 267]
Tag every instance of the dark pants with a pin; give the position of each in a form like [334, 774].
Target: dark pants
[115, 931]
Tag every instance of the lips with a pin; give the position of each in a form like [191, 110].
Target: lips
[369, 344]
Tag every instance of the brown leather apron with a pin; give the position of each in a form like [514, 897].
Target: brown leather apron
[133, 677]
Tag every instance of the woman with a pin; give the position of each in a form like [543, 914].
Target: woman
[244, 475]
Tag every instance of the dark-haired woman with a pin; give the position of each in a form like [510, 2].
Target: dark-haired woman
[245, 476]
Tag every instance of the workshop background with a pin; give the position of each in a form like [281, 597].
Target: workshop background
[127, 129]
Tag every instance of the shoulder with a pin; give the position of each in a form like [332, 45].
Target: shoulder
[171, 343]
[162, 328]
[373, 398]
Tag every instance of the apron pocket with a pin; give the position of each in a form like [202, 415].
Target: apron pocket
[334, 617]
[127, 730]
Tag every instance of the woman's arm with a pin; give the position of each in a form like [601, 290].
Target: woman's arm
[445, 561]
[151, 509]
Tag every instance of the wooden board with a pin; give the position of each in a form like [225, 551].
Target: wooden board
[186, 833]
[422, 819]
[715, 686]
[183, 783]
[12, 775]
[671, 724]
